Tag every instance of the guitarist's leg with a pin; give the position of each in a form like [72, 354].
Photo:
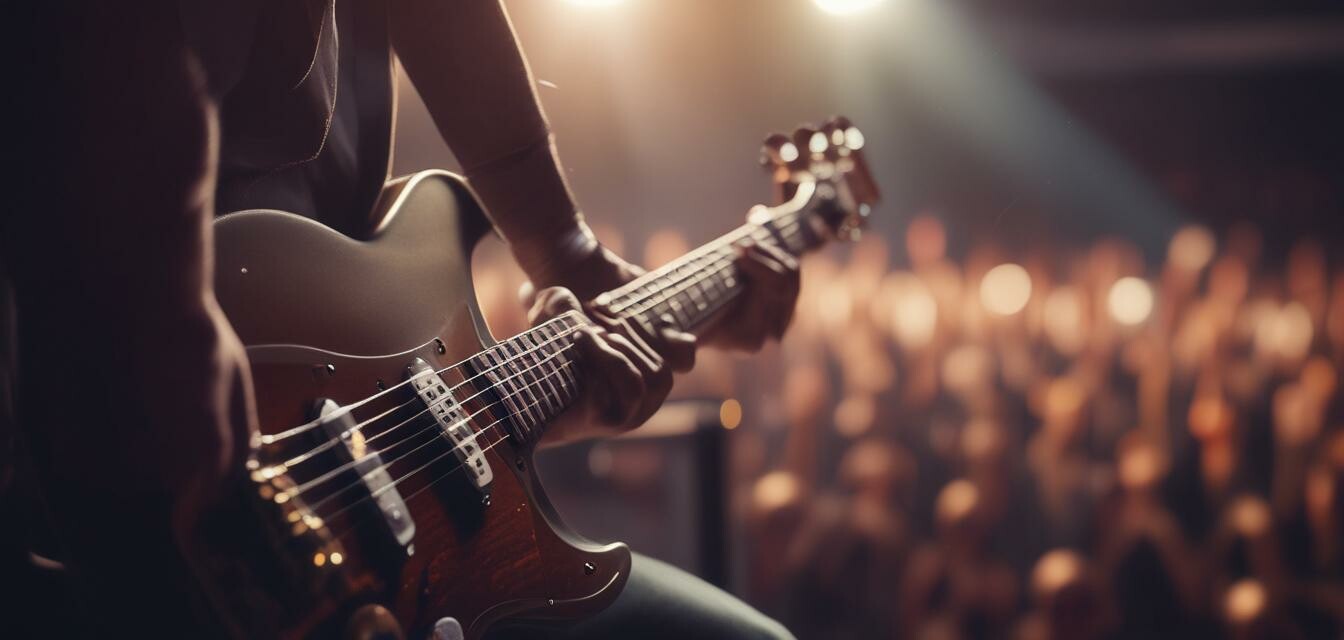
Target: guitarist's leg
[662, 601]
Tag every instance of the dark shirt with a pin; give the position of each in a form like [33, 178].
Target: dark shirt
[305, 105]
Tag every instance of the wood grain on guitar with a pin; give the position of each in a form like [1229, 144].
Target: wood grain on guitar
[393, 471]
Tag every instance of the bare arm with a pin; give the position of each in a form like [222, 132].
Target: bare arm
[466, 64]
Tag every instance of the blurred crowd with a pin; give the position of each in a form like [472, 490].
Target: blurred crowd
[1065, 442]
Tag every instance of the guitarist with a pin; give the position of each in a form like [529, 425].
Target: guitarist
[133, 395]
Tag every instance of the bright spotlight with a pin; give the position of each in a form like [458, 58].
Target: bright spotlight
[845, 7]
[1005, 289]
[1130, 300]
[595, 3]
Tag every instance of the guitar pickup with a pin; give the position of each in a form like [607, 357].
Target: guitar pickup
[456, 427]
[368, 465]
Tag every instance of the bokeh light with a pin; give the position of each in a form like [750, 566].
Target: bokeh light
[1192, 248]
[914, 313]
[1005, 289]
[1130, 300]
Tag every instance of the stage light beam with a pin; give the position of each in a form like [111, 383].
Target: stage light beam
[845, 7]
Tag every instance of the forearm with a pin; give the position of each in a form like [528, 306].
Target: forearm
[466, 64]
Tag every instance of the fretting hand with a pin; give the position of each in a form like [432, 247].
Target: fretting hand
[762, 313]
[629, 368]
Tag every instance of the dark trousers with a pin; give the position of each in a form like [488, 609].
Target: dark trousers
[662, 601]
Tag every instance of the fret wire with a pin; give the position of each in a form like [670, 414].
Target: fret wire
[500, 385]
[524, 392]
[552, 400]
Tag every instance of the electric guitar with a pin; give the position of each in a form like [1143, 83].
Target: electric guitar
[391, 486]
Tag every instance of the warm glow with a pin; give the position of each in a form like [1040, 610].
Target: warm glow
[855, 414]
[1005, 289]
[730, 413]
[1056, 570]
[775, 490]
[925, 240]
[595, 3]
[664, 246]
[843, 7]
[1063, 320]
[1250, 516]
[1245, 601]
[1130, 301]
[1286, 332]
[914, 313]
[956, 501]
[1191, 248]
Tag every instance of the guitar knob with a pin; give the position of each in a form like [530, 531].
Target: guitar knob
[373, 622]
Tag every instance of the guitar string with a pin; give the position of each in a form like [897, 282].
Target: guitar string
[503, 364]
[703, 270]
[696, 276]
[627, 291]
[307, 426]
[634, 284]
[301, 489]
[666, 295]
[527, 386]
[373, 495]
[692, 273]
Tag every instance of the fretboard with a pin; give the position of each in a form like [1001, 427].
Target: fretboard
[535, 374]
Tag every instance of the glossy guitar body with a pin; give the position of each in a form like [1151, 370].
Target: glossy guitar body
[325, 316]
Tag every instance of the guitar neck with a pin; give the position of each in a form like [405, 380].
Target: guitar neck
[690, 291]
[535, 375]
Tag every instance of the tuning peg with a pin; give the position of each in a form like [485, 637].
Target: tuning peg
[778, 152]
[812, 142]
[850, 135]
[848, 140]
[779, 155]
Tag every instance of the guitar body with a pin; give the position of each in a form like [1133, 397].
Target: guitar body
[325, 316]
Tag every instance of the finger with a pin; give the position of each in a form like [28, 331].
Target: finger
[771, 297]
[761, 268]
[657, 379]
[625, 328]
[617, 400]
[781, 314]
[679, 349]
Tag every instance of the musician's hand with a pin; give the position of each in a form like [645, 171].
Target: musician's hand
[586, 273]
[629, 368]
[766, 306]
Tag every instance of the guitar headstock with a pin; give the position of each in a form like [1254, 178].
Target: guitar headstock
[830, 161]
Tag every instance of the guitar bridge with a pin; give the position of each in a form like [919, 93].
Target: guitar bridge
[366, 462]
[439, 400]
